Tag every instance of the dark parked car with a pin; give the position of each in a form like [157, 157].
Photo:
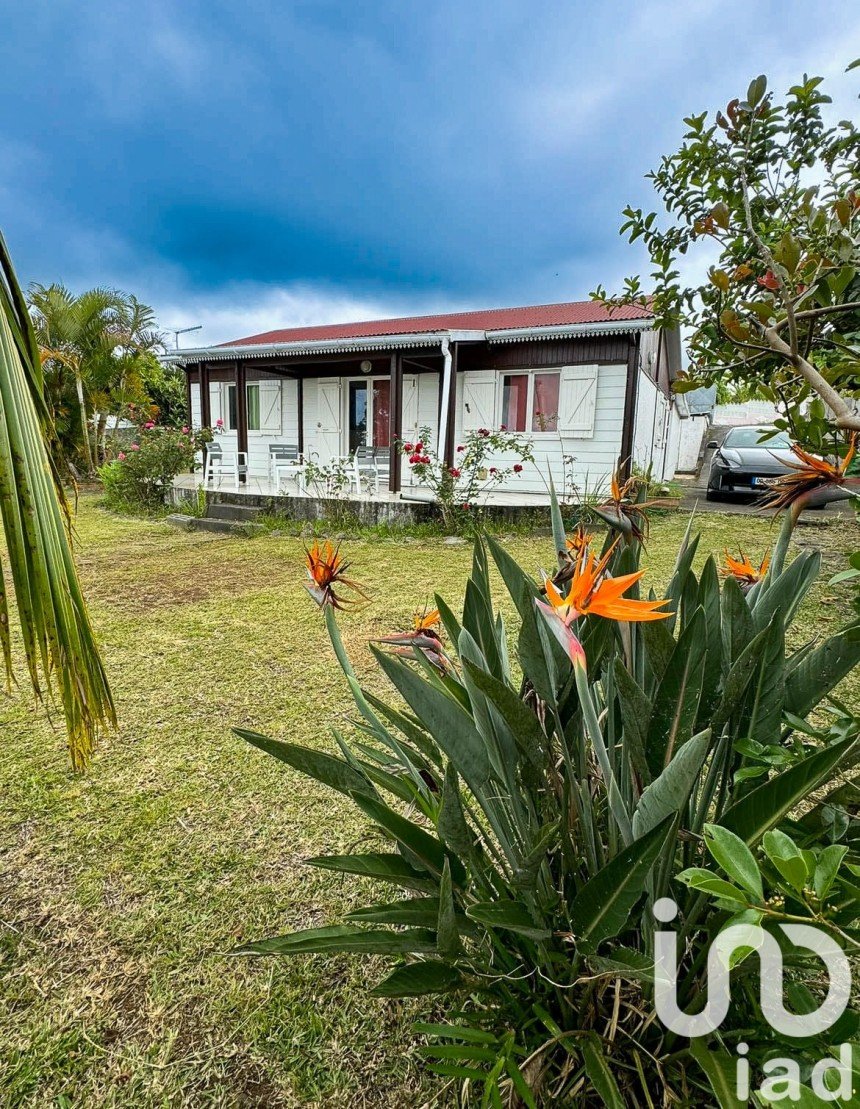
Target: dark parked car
[744, 463]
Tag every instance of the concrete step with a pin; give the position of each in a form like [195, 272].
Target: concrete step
[240, 513]
[223, 527]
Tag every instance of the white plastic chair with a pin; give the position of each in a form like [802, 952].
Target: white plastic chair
[286, 462]
[220, 462]
[372, 462]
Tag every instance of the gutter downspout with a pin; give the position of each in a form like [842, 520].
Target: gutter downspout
[442, 442]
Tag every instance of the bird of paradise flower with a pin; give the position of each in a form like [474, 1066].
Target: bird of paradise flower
[593, 592]
[745, 573]
[813, 482]
[326, 570]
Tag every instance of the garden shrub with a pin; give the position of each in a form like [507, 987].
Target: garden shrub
[138, 477]
[541, 785]
[461, 489]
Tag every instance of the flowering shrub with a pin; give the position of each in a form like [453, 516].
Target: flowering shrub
[460, 487]
[138, 477]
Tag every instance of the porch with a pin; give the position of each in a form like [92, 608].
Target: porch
[410, 505]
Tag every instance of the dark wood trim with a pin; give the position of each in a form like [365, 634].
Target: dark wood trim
[205, 405]
[241, 415]
[395, 422]
[189, 421]
[300, 414]
[451, 417]
[279, 363]
[631, 391]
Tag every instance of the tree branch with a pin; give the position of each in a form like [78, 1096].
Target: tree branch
[845, 415]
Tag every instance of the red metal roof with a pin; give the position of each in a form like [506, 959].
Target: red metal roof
[490, 319]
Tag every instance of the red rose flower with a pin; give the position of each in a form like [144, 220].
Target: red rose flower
[493, 470]
[454, 472]
[482, 431]
[460, 448]
[413, 458]
[425, 458]
[503, 427]
[419, 447]
[518, 468]
[408, 448]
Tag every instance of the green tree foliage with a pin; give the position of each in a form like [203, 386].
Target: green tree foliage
[772, 191]
[97, 350]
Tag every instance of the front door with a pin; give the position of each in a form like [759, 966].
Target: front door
[328, 419]
[368, 412]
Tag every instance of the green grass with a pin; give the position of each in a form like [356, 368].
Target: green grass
[123, 889]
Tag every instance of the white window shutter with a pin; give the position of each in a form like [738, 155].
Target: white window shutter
[270, 406]
[577, 401]
[479, 399]
[216, 408]
[410, 408]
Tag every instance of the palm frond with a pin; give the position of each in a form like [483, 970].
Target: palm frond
[59, 645]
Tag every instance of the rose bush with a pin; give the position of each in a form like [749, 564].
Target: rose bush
[139, 476]
[459, 488]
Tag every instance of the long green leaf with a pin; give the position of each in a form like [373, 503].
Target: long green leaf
[676, 703]
[58, 640]
[420, 844]
[443, 717]
[418, 979]
[512, 915]
[385, 868]
[766, 805]
[599, 1075]
[821, 669]
[601, 909]
[719, 1068]
[331, 771]
[341, 937]
[670, 792]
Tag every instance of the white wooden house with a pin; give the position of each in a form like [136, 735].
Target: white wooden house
[592, 388]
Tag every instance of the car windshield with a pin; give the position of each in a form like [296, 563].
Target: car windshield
[751, 437]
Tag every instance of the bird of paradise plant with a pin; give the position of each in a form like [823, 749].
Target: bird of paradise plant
[530, 811]
[622, 512]
[59, 643]
[813, 481]
[326, 570]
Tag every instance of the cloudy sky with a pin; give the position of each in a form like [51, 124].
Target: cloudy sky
[248, 165]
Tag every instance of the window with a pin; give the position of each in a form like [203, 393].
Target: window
[530, 401]
[231, 419]
[253, 395]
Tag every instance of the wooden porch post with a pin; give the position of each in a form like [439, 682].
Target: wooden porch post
[452, 407]
[395, 421]
[631, 390]
[300, 412]
[205, 405]
[241, 415]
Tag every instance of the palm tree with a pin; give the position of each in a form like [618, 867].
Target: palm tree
[74, 333]
[60, 650]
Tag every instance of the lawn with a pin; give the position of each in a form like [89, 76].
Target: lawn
[123, 889]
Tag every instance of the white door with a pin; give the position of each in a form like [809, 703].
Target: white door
[410, 426]
[328, 419]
